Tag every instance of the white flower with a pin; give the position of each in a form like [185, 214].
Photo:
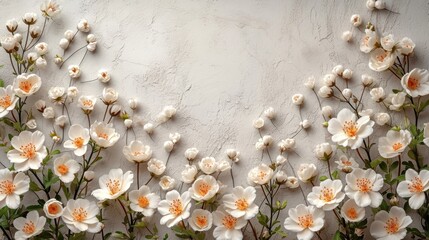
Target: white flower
[325, 92]
[390, 225]
[41, 48]
[377, 94]
[328, 195]
[270, 113]
[406, 46]
[41, 63]
[156, 167]
[72, 93]
[12, 187]
[347, 93]
[191, 153]
[148, 127]
[223, 165]
[113, 185]
[324, 151]
[74, 71]
[280, 160]
[208, 165]
[346, 130]
[396, 100]
[380, 4]
[133, 103]
[53, 208]
[355, 20]
[233, 154]
[103, 134]
[305, 124]
[381, 118]
[204, 188]
[81, 215]
[30, 226]
[48, 113]
[352, 212]
[292, 182]
[174, 208]
[31, 124]
[305, 220]
[260, 175]
[366, 112]
[240, 202]
[286, 144]
[367, 80]
[28, 151]
[10, 44]
[65, 168]
[329, 80]
[258, 123]
[346, 164]
[40, 105]
[264, 142]
[394, 143]
[347, 36]
[174, 137]
[381, 59]
[50, 8]
[103, 76]
[32, 56]
[306, 172]
[363, 186]
[79, 138]
[110, 96]
[35, 31]
[25, 86]
[414, 187]
[227, 226]
[29, 18]
[167, 113]
[137, 152]
[298, 99]
[310, 83]
[56, 94]
[201, 220]
[8, 100]
[387, 42]
[280, 177]
[167, 183]
[189, 173]
[416, 82]
[368, 42]
[91, 46]
[83, 25]
[11, 25]
[142, 200]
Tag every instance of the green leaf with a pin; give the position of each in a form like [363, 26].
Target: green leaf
[323, 178]
[376, 162]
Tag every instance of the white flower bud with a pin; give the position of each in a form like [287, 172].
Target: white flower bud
[58, 60]
[128, 123]
[280, 160]
[305, 124]
[69, 34]
[338, 70]
[174, 137]
[367, 80]
[306, 172]
[64, 43]
[11, 25]
[382, 118]
[286, 144]
[29, 18]
[347, 36]
[92, 46]
[298, 99]
[168, 146]
[89, 175]
[91, 38]
[31, 124]
[258, 123]
[148, 127]
[18, 37]
[72, 92]
[324, 151]
[40, 105]
[270, 113]
[133, 103]
[367, 112]
[356, 20]
[327, 111]
[370, 4]
[329, 80]
[347, 74]
[233, 155]
[191, 153]
[280, 177]
[32, 56]
[41, 48]
[74, 71]
[48, 113]
[167, 183]
[310, 83]
[380, 4]
[41, 63]
[188, 175]
[377, 94]
[103, 76]
[292, 182]
[347, 93]
[61, 121]
[83, 26]
[223, 166]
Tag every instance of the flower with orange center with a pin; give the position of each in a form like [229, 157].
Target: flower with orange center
[53, 208]
[240, 203]
[142, 200]
[29, 226]
[174, 208]
[25, 86]
[328, 195]
[63, 169]
[305, 220]
[114, 184]
[201, 220]
[79, 138]
[5, 101]
[350, 128]
[7, 187]
[81, 215]
[229, 222]
[416, 82]
[8, 100]
[227, 226]
[390, 225]
[363, 187]
[381, 59]
[204, 188]
[103, 134]
[66, 168]
[414, 187]
[352, 212]
[10, 185]
[28, 152]
[394, 143]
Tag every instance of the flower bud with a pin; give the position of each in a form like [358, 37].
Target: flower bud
[64, 43]
[115, 110]
[347, 36]
[305, 124]
[11, 25]
[148, 127]
[168, 146]
[270, 113]
[347, 74]
[310, 83]
[258, 123]
[327, 111]
[89, 175]
[356, 20]
[133, 103]
[338, 70]
[128, 123]
[31, 124]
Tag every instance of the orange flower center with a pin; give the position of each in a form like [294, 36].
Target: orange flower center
[364, 185]
[29, 228]
[416, 185]
[381, 57]
[143, 202]
[176, 207]
[114, 186]
[5, 101]
[201, 221]
[78, 142]
[327, 194]
[103, 135]
[397, 146]
[87, 103]
[203, 189]
[350, 128]
[392, 225]
[346, 162]
[306, 221]
[28, 151]
[352, 213]
[229, 222]
[79, 214]
[53, 208]
[25, 86]
[63, 169]
[413, 83]
[241, 204]
[7, 187]
[262, 175]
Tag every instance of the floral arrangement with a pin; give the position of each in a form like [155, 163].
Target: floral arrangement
[45, 179]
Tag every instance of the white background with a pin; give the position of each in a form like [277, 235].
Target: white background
[220, 63]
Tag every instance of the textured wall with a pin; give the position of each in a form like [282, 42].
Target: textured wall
[221, 63]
